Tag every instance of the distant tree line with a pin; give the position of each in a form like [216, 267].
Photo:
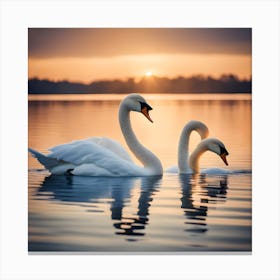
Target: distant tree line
[194, 84]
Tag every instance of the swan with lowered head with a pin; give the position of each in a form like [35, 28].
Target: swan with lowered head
[100, 156]
[209, 144]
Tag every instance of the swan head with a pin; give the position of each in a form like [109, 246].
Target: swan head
[217, 147]
[135, 102]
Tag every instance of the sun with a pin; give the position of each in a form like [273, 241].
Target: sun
[148, 74]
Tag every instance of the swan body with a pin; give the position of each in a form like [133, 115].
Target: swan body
[100, 156]
[218, 171]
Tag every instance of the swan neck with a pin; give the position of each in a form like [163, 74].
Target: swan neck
[146, 157]
[195, 156]
[183, 149]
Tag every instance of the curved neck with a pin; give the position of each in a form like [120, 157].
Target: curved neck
[194, 157]
[183, 149]
[148, 159]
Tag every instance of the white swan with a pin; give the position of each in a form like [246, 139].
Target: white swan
[183, 146]
[188, 165]
[99, 156]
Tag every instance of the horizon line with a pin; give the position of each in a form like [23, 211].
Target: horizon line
[143, 77]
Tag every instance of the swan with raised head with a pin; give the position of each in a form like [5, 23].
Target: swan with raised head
[183, 146]
[190, 164]
[100, 156]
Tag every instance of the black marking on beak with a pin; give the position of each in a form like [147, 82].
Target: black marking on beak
[145, 105]
[224, 151]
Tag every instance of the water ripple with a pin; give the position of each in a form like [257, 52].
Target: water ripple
[153, 213]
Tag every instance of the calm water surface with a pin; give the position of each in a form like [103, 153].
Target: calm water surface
[150, 214]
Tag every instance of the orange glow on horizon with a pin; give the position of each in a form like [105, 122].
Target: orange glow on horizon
[88, 69]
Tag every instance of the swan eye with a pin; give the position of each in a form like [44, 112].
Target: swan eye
[145, 105]
[224, 151]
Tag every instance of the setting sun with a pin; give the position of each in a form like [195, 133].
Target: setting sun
[148, 74]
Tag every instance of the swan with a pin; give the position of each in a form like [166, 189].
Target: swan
[209, 144]
[188, 165]
[101, 156]
[183, 146]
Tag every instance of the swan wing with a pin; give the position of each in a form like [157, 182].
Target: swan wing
[92, 159]
[113, 146]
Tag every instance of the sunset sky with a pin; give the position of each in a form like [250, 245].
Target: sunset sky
[90, 54]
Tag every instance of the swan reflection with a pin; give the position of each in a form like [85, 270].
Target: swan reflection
[93, 192]
[198, 191]
[129, 225]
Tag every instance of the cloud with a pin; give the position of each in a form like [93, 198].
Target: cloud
[110, 42]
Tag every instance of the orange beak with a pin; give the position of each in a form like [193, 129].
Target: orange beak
[224, 158]
[145, 112]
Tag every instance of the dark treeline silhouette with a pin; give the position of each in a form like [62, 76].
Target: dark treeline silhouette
[195, 84]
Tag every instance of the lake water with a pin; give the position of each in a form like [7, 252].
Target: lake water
[172, 213]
